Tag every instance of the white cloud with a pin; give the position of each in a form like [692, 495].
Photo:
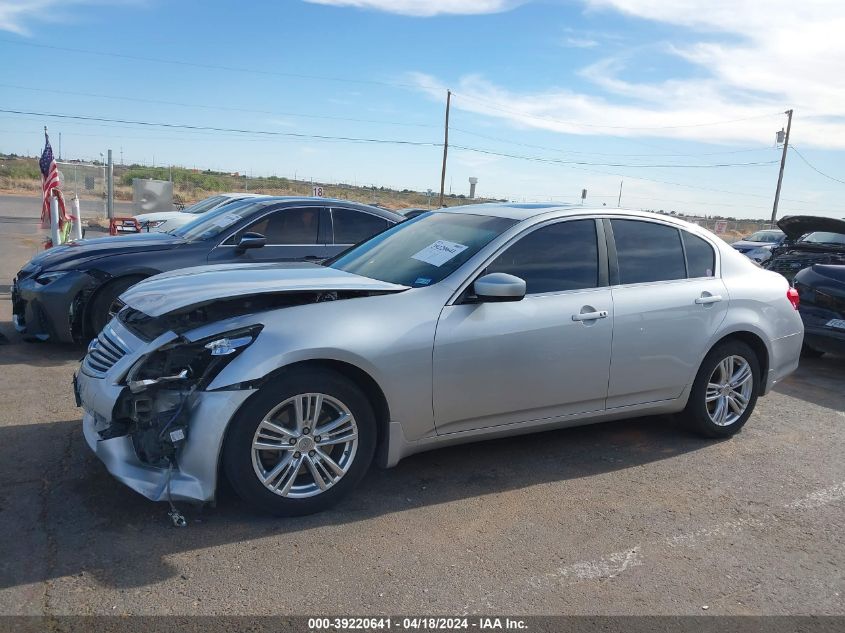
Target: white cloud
[752, 58]
[579, 42]
[16, 15]
[427, 8]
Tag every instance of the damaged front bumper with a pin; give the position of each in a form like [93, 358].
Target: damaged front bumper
[191, 470]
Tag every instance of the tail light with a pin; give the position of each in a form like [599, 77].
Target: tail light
[794, 299]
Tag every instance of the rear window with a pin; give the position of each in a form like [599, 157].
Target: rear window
[647, 251]
[701, 258]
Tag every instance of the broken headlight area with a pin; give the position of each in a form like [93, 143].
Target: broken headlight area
[161, 387]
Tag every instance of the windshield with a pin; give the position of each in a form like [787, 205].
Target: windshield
[824, 237]
[204, 205]
[764, 236]
[422, 251]
[211, 224]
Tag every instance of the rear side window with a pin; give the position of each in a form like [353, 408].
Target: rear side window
[701, 259]
[351, 227]
[647, 251]
[562, 256]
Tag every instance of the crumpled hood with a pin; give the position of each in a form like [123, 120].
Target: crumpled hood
[186, 287]
[78, 253]
[797, 225]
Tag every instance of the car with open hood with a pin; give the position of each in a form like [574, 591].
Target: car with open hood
[458, 325]
[67, 293]
[809, 240]
[821, 288]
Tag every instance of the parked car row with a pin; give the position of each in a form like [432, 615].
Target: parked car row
[290, 378]
[809, 251]
[67, 293]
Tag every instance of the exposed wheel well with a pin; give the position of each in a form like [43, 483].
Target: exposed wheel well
[756, 344]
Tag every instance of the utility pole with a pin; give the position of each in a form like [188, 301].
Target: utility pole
[619, 202]
[445, 146]
[782, 164]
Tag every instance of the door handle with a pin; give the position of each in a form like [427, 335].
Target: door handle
[590, 316]
[708, 299]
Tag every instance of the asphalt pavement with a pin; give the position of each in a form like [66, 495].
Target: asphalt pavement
[629, 517]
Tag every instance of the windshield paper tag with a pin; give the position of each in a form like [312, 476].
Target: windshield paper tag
[439, 253]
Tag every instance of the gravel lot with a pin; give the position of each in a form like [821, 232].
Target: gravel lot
[631, 517]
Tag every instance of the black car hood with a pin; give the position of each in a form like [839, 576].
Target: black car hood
[794, 226]
[74, 254]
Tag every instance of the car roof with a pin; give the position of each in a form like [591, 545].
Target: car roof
[312, 201]
[527, 210]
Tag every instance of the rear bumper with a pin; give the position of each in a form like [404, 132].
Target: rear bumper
[825, 339]
[785, 355]
[50, 312]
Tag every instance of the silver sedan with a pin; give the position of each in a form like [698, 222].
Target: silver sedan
[459, 325]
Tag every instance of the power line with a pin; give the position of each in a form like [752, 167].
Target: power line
[235, 69]
[495, 105]
[213, 107]
[575, 162]
[209, 128]
[811, 166]
[567, 151]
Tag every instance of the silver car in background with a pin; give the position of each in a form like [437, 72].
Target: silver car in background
[458, 325]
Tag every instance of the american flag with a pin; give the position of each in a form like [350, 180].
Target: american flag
[49, 184]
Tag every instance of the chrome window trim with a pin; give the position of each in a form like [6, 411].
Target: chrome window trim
[717, 274]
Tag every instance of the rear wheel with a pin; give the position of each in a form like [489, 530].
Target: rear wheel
[725, 390]
[301, 443]
[101, 306]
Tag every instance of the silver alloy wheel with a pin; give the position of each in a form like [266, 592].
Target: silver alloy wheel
[729, 390]
[305, 445]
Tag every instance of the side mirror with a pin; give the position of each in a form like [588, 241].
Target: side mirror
[251, 240]
[499, 287]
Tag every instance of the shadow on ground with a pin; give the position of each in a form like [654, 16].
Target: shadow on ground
[819, 381]
[94, 525]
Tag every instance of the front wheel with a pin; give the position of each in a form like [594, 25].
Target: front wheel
[725, 390]
[301, 443]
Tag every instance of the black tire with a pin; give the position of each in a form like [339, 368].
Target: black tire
[237, 449]
[100, 308]
[810, 352]
[696, 414]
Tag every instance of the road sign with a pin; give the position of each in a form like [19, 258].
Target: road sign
[317, 191]
[721, 227]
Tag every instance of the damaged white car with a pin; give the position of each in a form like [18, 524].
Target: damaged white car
[458, 325]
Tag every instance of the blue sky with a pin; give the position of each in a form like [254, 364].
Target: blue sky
[591, 91]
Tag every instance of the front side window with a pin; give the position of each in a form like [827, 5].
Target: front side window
[285, 227]
[351, 227]
[555, 258]
[701, 258]
[422, 251]
[647, 251]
